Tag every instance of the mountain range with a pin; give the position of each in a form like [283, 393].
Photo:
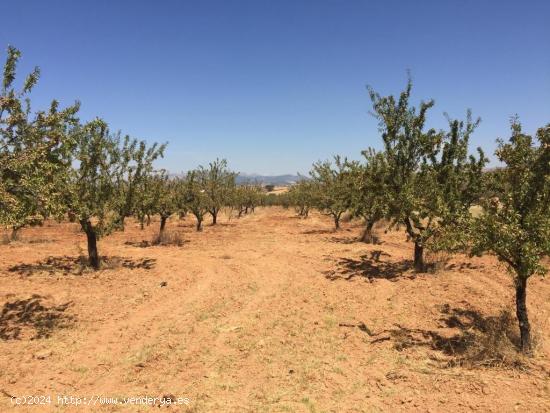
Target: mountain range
[279, 180]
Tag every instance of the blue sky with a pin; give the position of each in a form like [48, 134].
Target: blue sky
[275, 85]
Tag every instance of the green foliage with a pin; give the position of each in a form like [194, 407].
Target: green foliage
[166, 194]
[516, 226]
[35, 151]
[302, 196]
[93, 182]
[218, 184]
[246, 197]
[145, 200]
[431, 180]
[332, 186]
[368, 196]
[134, 167]
[194, 197]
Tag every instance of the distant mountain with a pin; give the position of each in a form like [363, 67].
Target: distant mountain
[279, 180]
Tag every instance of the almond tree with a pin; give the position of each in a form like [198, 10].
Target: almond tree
[332, 187]
[35, 151]
[246, 197]
[369, 194]
[516, 225]
[425, 168]
[302, 196]
[165, 195]
[92, 184]
[241, 199]
[194, 197]
[145, 199]
[136, 163]
[218, 183]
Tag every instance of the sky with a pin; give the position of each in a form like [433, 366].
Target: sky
[273, 86]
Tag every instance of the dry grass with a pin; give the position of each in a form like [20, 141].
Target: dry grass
[436, 262]
[169, 237]
[491, 342]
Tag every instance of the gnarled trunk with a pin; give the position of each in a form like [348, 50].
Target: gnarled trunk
[367, 236]
[199, 224]
[162, 223]
[419, 265]
[93, 256]
[521, 312]
[336, 221]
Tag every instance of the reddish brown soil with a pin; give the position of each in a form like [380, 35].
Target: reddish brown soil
[268, 313]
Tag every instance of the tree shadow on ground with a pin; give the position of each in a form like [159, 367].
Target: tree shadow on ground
[354, 240]
[32, 318]
[369, 266]
[78, 265]
[155, 242]
[464, 266]
[475, 340]
[345, 240]
[319, 231]
[224, 224]
[139, 244]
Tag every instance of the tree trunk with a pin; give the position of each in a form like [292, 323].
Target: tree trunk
[419, 265]
[162, 223]
[521, 312]
[214, 217]
[337, 221]
[148, 219]
[93, 256]
[199, 224]
[367, 233]
[141, 222]
[14, 233]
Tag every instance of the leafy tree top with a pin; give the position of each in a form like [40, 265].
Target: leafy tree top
[516, 225]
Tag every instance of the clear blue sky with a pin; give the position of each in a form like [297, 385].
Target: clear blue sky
[275, 85]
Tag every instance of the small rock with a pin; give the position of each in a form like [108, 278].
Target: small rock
[41, 355]
[163, 284]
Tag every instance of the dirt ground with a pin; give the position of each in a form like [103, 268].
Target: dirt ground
[267, 313]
